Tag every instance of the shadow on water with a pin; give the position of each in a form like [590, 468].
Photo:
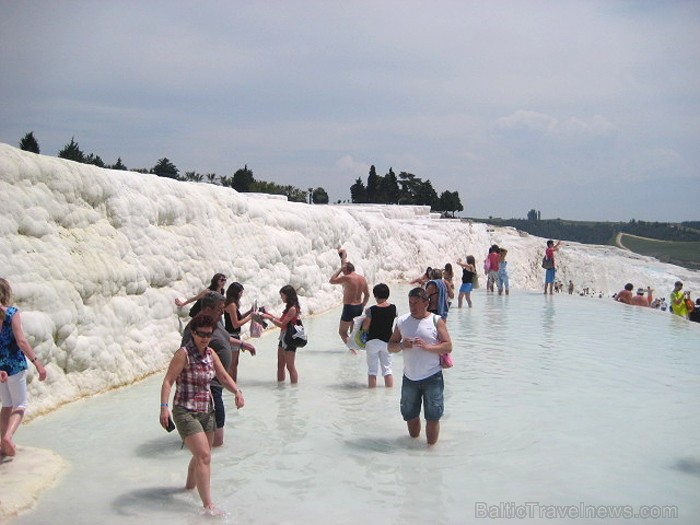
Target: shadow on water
[688, 466]
[163, 446]
[136, 502]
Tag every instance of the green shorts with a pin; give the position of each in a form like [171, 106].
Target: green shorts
[189, 422]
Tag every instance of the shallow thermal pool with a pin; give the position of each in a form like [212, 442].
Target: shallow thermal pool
[553, 402]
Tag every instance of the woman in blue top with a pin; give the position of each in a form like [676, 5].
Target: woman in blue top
[14, 352]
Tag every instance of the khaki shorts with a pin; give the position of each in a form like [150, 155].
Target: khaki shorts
[189, 422]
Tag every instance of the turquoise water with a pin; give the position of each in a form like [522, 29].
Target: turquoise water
[559, 401]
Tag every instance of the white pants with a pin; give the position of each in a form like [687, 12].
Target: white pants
[377, 353]
[13, 392]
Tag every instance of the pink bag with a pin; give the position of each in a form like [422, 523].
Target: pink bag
[256, 328]
[446, 361]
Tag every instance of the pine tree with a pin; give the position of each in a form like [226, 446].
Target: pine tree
[29, 143]
[72, 151]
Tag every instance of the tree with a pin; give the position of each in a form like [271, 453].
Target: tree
[409, 184]
[72, 151]
[94, 159]
[449, 202]
[165, 168]
[29, 143]
[425, 194]
[243, 179]
[319, 196]
[533, 215]
[373, 186]
[358, 192]
[193, 176]
[211, 178]
[389, 188]
[119, 165]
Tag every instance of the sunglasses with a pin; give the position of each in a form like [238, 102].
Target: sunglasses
[203, 335]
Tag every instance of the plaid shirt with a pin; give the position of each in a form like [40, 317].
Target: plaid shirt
[192, 385]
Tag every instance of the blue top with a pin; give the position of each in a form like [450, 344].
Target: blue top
[442, 305]
[12, 359]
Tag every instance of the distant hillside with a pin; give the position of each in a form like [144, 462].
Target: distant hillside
[676, 243]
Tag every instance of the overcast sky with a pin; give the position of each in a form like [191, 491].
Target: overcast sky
[582, 110]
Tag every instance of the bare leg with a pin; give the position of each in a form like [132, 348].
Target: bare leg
[344, 330]
[371, 381]
[218, 437]
[389, 381]
[280, 364]
[290, 357]
[468, 295]
[233, 371]
[432, 431]
[10, 419]
[413, 427]
[199, 469]
[460, 297]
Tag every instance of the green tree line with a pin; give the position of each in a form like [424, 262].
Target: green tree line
[404, 189]
[388, 189]
[592, 232]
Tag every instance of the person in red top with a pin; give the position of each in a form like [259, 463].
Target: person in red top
[551, 271]
[494, 258]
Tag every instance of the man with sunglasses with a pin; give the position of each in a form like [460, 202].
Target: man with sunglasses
[422, 336]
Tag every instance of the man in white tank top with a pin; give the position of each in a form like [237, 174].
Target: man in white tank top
[422, 336]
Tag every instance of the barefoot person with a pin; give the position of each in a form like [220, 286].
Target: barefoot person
[14, 352]
[286, 354]
[217, 284]
[550, 265]
[379, 324]
[422, 337]
[223, 344]
[234, 320]
[468, 274]
[191, 369]
[355, 294]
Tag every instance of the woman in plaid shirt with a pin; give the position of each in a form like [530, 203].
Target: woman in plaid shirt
[192, 368]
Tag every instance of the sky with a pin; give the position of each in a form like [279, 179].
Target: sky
[586, 110]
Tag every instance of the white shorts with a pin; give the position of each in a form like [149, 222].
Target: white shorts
[13, 392]
[377, 353]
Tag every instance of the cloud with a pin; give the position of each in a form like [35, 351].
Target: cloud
[571, 127]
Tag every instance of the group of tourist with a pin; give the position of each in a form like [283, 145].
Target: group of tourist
[496, 270]
[208, 358]
[206, 363]
[681, 304]
[421, 335]
[641, 298]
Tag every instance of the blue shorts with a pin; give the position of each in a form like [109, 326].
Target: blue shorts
[549, 275]
[350, 311]
[466, 287]
[428, 391]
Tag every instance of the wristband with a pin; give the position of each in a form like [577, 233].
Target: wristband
[163, 405]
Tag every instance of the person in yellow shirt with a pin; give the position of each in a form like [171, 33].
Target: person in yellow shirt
[678, 306]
